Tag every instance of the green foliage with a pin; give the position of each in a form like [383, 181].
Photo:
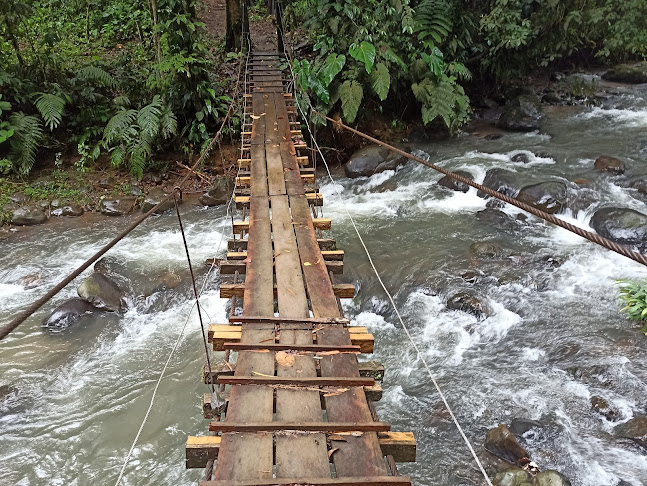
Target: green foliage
[432, 21]
[6, 129]
[51, 108]
[351, 93]
[381, 80]
[633, 295]
[28, 133]
[130, 135]
[443, 99]
[364, 52]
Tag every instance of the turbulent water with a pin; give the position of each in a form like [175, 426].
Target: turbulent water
[72, 401]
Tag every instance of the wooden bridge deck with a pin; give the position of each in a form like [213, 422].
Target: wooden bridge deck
[297, 409]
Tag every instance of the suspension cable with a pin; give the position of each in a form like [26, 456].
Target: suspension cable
[391, 300]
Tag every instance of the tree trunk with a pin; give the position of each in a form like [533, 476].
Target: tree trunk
[236, 17]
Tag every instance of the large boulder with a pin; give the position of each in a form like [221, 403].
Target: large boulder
[118, 207]
[639, 184]
[493, 216]
[466, 302]
[219, 193]
[155, 196]
[550, 478]
[503, 444]
[102, 293]
[514, 476]
[626, 73]
[635, 429]
[549, 196]
[500, 180]
[522, 114]
[485, 249]
[609, 164]
[453, 184]
[67, 314]
[623, 225]
[371, 160]
[28, 216]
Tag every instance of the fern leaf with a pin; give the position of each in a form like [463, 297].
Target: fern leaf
[117, 156]
[351, 94]
[148, 119]
[28, 133]
[433, 20]
[94, 73]
[51, 109]
[168, 123]
[118, 125]
[459, 70]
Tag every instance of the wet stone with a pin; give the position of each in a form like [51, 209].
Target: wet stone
[28, 216]
[469, 303]
[118, 207]
[486, 249]
[602, 407]
[502, 443]
[635, 430]
[549, 197]
[609, 164]
[455, 185]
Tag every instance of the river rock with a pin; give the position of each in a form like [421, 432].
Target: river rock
[18, 198]
[118, 207]
[371, 160]
[549, 196]
[106, 183]
[609, 164]
[219, 193]
[520, 157]
[520, 426]
[550, 478]
[453, 184]
[502, 443]
[154, 197]
[623, 225]
[485, 249]
[167, 281]
[514, 476]
[635, 429]
[627, 73]
[551, 98]
[67, 314]
[601, 406]
[493, 216]
[466, 302]
[640, 184]
[28, 216]
[72, 210]
[500, 180]
[31, 281]
[102, 293]
[522, 114]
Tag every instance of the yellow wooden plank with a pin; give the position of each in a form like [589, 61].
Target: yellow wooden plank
[319, 223]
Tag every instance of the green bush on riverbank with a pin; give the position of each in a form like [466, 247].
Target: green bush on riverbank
[633, 295]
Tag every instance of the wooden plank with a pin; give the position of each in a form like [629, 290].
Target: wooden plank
[229, 267]
[320, 290]
[276, 182]
[311, 348]
[343, 291]
[400, 445]
[215, 329]
[295, 381]
[278, 320]
[291, 293]
[241, 245]
[373, 369]
[257, 164]
[316, 481]
[330, 427]
[358, 456]
[314, 199]
[260, 272]
[319, 223]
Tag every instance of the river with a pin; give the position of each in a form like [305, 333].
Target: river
[71, 402]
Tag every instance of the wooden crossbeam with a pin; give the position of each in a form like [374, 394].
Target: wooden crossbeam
[343, 481]
[400, 445]
[372, 369]
[312, 348]
[319, 223]
[227, 291]
[371, 393]
[329, 255]
[244, 181]
[229, 267]
[280, 320]
[292, 381]
[314, 199]
[331, 427]
[325, 244]
[219, 334]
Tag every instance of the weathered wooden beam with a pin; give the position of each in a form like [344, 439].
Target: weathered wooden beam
[319, 223]
[343, 381]
[245, 181]
[227, 291]
[311, 348]
[332, 427]
[373, 394]
[372, 369]
[344, 481]
[314, 199]
[400, 445]
[219, 334]
[229, 267]
[325, 244]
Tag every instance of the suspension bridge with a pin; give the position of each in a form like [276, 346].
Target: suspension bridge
[299, 406]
